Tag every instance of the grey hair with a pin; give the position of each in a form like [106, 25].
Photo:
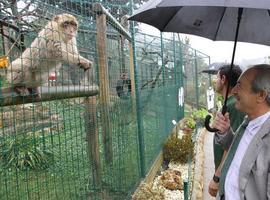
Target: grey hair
[261, 80]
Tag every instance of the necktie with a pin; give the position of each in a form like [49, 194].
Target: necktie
[238, 135]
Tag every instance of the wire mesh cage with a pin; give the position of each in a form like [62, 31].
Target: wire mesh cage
[69, 132]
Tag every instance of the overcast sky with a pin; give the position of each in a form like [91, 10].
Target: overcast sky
[222, 51]
[246, 53]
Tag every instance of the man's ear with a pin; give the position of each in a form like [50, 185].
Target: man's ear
[261, 96]
[224, 79]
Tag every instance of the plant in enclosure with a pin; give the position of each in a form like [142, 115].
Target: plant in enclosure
[25, 151]
[179, 150]
[188, 124]
[199, 115]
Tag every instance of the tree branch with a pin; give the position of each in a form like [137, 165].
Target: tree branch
[18, 45]
[8, 24]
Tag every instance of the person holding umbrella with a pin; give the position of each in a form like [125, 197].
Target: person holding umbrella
[245, 172]
[218, 20]
[225, 20]
[236, 117]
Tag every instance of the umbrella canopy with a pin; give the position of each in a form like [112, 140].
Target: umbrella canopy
[213, 68]
[212, 19]
[224, 20]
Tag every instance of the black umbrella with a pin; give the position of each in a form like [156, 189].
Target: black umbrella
[223, 20]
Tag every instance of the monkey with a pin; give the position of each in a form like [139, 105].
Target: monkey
[55, 44]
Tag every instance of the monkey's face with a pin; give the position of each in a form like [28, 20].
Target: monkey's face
[68, 26]
[69, 29]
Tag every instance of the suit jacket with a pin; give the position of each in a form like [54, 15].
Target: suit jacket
[254, 174]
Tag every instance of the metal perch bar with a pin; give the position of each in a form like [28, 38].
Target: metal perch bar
[8, 97]
[99, 9]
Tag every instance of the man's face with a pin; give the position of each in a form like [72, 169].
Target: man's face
[219, 83]
[246, 98]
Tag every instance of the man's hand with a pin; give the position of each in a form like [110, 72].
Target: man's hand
[213, 188]
[221, 122]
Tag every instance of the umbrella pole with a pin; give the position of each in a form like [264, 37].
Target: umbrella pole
[224, 107]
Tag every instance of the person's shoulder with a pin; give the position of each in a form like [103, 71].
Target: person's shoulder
[231, 101]
[231, 104]
[265, 128]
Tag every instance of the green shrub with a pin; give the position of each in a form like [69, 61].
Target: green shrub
[179, 150]
[199, 115]
[23, 152]
[188, 122]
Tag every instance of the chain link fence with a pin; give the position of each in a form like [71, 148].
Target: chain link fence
[75, 144]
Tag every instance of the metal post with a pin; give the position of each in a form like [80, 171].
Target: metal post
[186, 193]
[176, 79]
[182, 111]
[166, 128]
[138, 103]
[196, 81]
[209, 76]
[162, 59]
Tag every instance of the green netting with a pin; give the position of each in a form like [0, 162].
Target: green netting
[53, 128]
[164, 66]
[85, 147]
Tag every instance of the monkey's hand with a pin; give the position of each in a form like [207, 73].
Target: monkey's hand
[85, 64]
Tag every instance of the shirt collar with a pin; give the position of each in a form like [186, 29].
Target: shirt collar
[257, 122]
